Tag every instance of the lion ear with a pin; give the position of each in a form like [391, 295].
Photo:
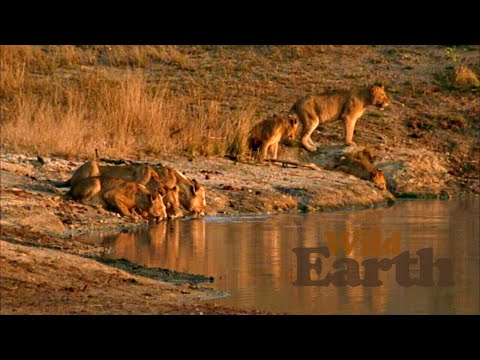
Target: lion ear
[293, 121]
[162, 191]
[193, 187]
[196, 184]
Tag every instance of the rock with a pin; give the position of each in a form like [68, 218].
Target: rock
[415, 173]
[41, 160]
[409, 172]
[67, 221]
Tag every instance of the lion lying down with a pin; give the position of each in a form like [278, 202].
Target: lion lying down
[170, 183]
[120, 196]
[359, 164]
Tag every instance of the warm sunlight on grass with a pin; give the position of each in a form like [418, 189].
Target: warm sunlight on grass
[82, 105]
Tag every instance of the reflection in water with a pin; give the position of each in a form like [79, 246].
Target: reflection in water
[252, 258]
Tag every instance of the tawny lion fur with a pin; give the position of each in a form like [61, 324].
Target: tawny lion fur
[359, 164]
[265, 136]
[171, 182]
[345, 105]
[119, 195]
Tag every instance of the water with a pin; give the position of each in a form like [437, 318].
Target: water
[251, 257]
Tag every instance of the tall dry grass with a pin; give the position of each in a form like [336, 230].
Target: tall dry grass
[465, 77]
[64, 100]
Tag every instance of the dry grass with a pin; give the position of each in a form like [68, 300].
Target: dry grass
[198, 100]
[464, 77]
[74, 113]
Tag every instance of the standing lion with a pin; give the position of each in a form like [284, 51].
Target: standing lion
[345, 105]
[265, 136]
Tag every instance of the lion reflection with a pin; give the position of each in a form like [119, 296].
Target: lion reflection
[166, 245]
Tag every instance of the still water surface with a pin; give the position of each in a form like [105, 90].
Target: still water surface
[251, 257]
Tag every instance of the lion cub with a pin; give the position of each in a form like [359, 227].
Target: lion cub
[265, 136]
[359, 164]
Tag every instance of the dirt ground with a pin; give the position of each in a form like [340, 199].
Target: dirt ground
[49, 281]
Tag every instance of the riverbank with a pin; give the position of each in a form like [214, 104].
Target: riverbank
[46, 270]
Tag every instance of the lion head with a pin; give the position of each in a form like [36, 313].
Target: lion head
[379, 98]
[292, 128]
[152, 205]
[194, 198]
[171, 200]
[379, 179]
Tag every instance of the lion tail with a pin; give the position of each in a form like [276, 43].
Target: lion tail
[60, 184]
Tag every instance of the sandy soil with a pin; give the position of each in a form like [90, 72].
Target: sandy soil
[46, 281]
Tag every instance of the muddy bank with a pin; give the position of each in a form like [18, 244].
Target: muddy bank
[46, 270]
[232, 188]
[45, 281]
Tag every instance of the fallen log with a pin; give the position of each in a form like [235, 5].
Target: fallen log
[287, 162]
[117, 162]
[121, 161]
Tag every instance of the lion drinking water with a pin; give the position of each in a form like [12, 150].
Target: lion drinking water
[359, 164]
[119, 195]
[173, 185]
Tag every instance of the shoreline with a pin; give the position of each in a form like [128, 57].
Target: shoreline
[36, 221]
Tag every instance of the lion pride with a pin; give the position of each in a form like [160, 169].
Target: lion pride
[119, 195]
[168, 181]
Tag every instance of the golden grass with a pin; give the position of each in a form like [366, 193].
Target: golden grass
[464, 77]
[148, 100]
[121, 115]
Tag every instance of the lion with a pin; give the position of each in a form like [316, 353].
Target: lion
[265, 136]
[359, 164]
[147, 175]
[119, 195]
[363, 155]
[345, 105]
[171, 197]
[89, 169]
[190, 194]
[139, 173]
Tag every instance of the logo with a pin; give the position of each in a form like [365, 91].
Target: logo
[347, 271]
